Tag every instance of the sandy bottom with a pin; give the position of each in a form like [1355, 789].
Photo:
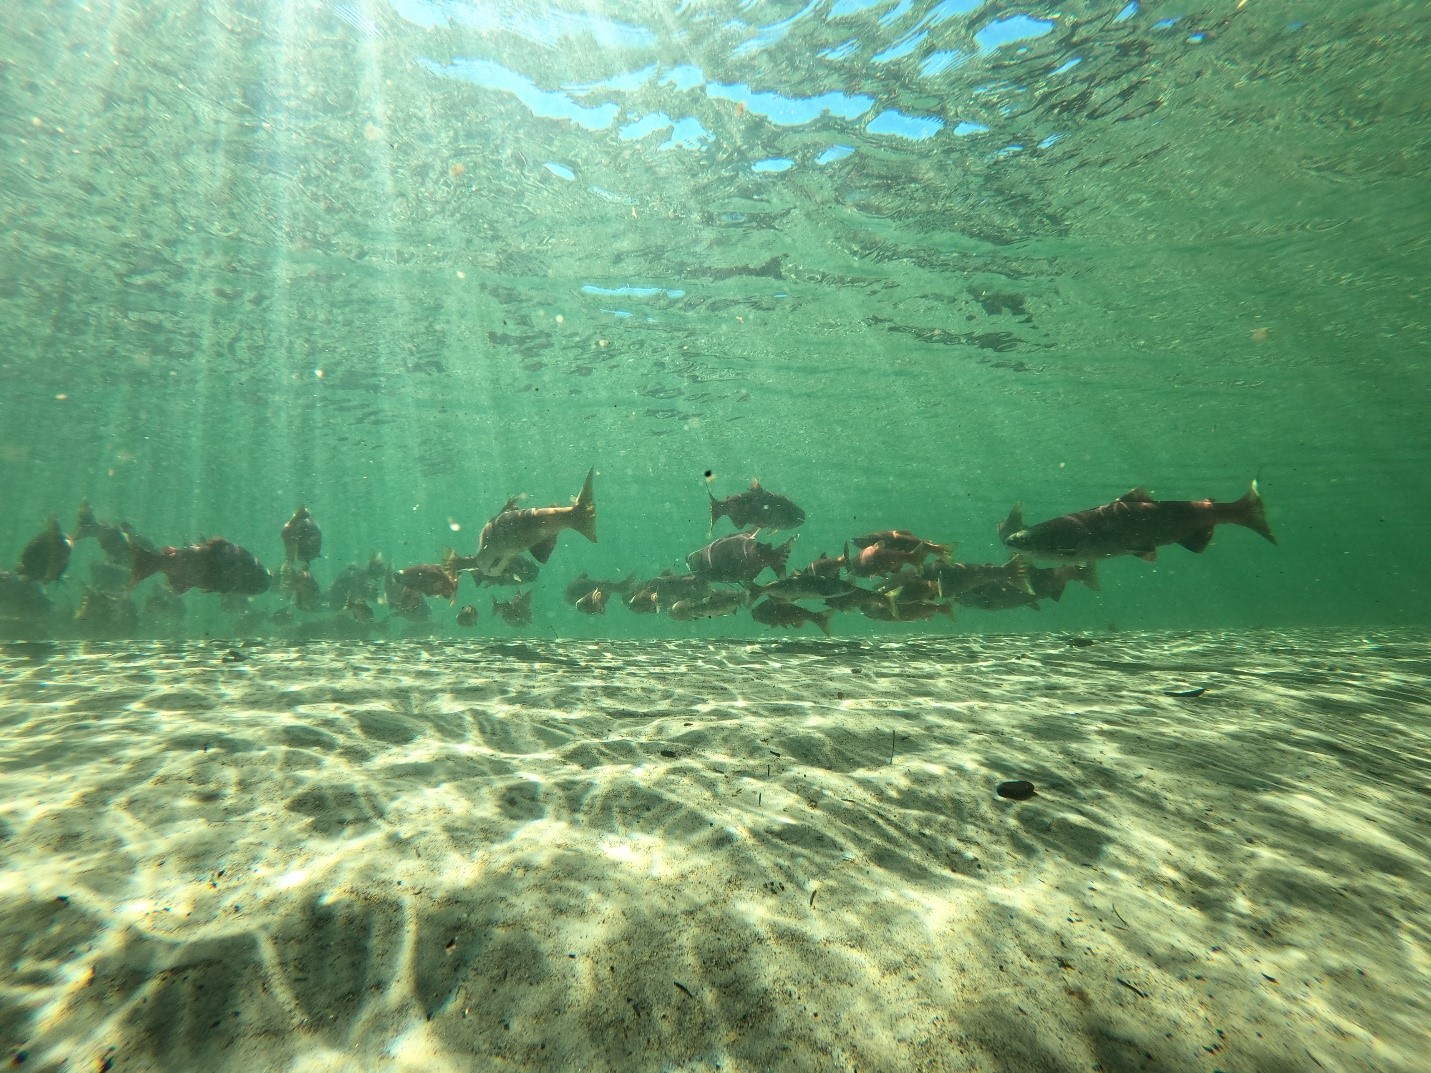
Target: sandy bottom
[737, 856]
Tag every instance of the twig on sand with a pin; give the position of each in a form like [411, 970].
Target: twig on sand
[684, 989]
[1120, 917]
[1130, 987]
[891, 746]
[812, 897]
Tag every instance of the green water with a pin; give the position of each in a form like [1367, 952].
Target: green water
[262, 253]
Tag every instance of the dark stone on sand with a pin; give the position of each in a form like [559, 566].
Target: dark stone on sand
[1199, 691]
[1015, 791]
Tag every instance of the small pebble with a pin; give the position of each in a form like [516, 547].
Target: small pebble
[1016, 791]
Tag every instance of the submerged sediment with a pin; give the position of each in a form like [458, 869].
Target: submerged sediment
[754, 855]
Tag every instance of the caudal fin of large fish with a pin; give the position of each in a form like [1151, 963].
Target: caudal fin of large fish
[1250, 512]
[583, 511]
[144, 562]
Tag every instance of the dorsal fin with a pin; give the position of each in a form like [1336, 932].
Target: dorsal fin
[1136, 495]
[755, 484]
[511, 504]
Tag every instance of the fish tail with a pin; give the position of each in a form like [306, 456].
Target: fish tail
[716, 512]
[947, 610]
[822, 619]
[85, 524]
[780, 556]
[144, 562]
[583, 517]
[1249, 511]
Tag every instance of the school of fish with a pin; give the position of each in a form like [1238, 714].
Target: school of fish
[888, 575]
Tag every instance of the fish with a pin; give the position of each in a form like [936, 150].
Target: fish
[780, 613]
[106, 610]
[518, 571]
[298, 584]
[582, 585]
[515, 612]
[827, 566]
[302, 539]
[430, 579]
[467, 616]
[997, 595]
[661, 592]
[403, 599]
[891, 551]
[955, 577]
[216, 565]
[164, 603]
[359, 609]
[1048, 583]
[1133, 524]
[21, 597]
[738, 557]
[716, 605]
[352, 583]
[755, 506]
[914, 611]
[805, 586]
[514, 532]
[116, 541]
[904, 542]
[857, 599]
[594, 602]
[45, 558]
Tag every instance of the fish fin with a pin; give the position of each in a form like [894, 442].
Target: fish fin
[1198, 541]
[1032, 605]
[1148, 555]
[543, 551]
[1013, 523]
[85, 524]
[822, 619]
[755, 484]
[1088, 574]
[583, 517]
[716, 511]
[947, 610]
[946, 552]
[1060, 582]
[143, 564]
[1019, 568]
[780, 556]
[1249, 511]
[511, 504]
[1136, 495]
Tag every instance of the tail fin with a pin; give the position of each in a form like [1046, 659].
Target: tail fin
[716, 512]
[1250, 512]
[85, 524]
[946, 609]
[583, 517]
[144, 562]
[822, 619]
[780, 556]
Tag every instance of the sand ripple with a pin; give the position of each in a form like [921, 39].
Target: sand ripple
[699, 855]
